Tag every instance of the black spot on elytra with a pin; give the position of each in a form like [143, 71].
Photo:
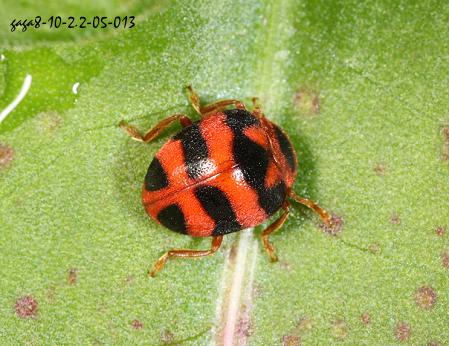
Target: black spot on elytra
[253, 160]
[156, 177]
[272, 199]
[218, 207]
[194, 148]
[238, 119]
[173, 218]
[286, 148]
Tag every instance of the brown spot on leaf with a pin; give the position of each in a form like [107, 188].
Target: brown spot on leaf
[136, 324]
[129, 280]
[336, 225]
[339, 329]
[402, 331]
[51, 293]
[26, 307]
[233, 252]
[243, 328]
[285, 265]
[6, 156]
[440, 231]
[425, 297]
[445, 259]
[48, 122]
[257, 290]
[315, 104]
[306, 101]
[395, 219]
[291, 340]
[374, 248]
[365, 318]
[445, 150]
[304, 324]
[433, 343]
[72, 276]
[379, 168]
[445, 132]
[167, 336]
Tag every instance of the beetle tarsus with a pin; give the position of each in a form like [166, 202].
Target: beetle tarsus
[276, 225]
[185, 253]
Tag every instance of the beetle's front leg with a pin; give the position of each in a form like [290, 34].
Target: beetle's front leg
[212, 107]
[156, 130]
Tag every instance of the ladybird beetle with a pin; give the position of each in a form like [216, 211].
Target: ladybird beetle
[228, 171]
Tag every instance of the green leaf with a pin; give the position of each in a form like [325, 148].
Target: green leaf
[361, 89]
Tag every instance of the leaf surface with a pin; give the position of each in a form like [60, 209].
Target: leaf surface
[362, 90]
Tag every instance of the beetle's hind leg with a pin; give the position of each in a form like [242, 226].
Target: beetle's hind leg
[216, 243]
[323, 214]
[276, 225]
[212, 107]
[156, 130]
[257, 110]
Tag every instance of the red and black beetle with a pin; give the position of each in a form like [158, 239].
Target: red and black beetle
[230, 170]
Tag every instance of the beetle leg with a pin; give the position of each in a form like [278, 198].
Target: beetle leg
[324, 215]
[220, 105]
[257, 111]
[271, 229]
[255, 101]
[156, 130]
[194, 99]
[212, 107]
[216, 243]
